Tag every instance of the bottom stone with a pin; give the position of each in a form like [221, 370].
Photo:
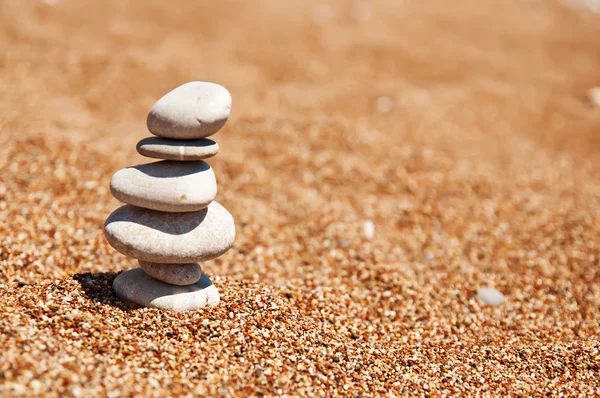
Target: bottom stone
[140, 288]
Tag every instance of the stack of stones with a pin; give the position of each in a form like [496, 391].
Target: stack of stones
[171, 222]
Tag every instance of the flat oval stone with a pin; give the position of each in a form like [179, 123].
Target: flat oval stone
[175, 274]
[138, 287]
[164, 148]
[168, 185]
[193, 110]
[173, 238]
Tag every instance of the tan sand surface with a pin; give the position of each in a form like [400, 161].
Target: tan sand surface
[460, 128]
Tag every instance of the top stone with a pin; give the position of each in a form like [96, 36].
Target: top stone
[193, 110]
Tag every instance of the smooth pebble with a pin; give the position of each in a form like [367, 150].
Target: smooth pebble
[138, 287]
[193, 110]
[175, 274]
[490, 296]
[167, 185]
[173, 238]
[168, 149]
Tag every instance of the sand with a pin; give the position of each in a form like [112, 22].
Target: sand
[462, 130]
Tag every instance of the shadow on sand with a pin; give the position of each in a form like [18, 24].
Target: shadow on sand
[98, 287]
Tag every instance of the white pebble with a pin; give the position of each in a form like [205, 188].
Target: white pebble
[191, 111]
[490, 296]
[174, 274]
[173, 238]
[138, 287]
[168, 185]
[369, 229]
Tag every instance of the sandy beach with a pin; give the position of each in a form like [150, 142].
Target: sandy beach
[461, 130]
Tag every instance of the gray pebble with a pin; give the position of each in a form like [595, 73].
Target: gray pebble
[490, 296]
[173, 238]
[193, 110]
[140, 288]
[164, 148]
[167, 185]
[175, 274]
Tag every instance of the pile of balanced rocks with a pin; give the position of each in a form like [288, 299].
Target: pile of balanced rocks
[171, 222]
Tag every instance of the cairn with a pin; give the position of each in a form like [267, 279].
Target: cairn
[170, 222]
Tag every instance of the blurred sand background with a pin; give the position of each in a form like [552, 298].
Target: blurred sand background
[461, 129]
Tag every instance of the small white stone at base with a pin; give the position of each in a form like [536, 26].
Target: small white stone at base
[140, 288]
